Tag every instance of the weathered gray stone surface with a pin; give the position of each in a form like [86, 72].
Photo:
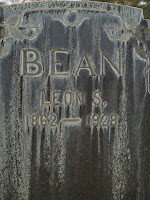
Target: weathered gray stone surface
[74, 102]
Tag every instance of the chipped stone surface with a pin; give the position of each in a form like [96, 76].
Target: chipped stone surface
[74, 102]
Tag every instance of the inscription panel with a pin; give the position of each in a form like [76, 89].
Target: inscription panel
[74, 102]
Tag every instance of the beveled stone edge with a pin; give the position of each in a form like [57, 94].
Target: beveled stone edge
[123, 11]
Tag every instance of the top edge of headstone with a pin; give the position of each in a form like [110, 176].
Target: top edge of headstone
[121, 10]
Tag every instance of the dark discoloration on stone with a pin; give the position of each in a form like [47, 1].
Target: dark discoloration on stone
[75, 112]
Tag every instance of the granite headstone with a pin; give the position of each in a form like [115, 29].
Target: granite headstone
[74, 102]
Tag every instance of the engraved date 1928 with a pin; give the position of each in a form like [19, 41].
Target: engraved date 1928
[102, 120]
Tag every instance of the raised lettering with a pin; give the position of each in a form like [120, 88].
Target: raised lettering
[31, 67]
[43, 99]
[55, 62]
[79, 98]
[68, 97]
[88, 65]
[115, 67]
[97, 99]
[56, 97]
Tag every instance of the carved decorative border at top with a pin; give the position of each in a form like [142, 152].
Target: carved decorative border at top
[13, 28]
